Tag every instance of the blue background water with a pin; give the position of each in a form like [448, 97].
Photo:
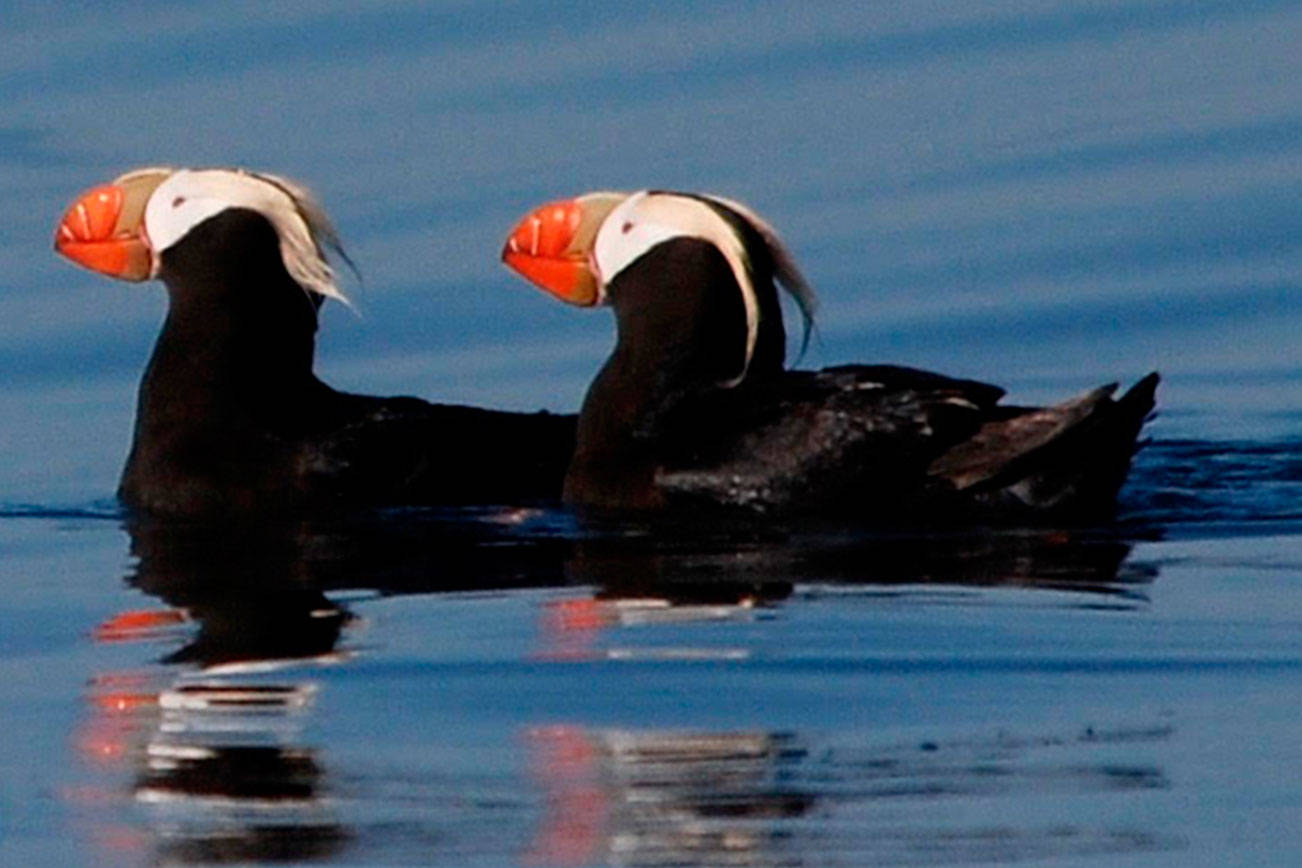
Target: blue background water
[1044, 194]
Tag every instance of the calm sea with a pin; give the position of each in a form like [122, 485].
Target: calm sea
[1048, 195]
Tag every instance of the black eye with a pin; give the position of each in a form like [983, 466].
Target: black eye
[626, 228]
[178, 201]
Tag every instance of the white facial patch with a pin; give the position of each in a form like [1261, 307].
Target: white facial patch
[190, 197]
[645, 220]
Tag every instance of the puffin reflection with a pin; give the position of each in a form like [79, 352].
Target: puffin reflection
[217, 746]
[700, 562]
[215, 743]
[661, 798]
[675, 574]
[213, 740]
[754, 798]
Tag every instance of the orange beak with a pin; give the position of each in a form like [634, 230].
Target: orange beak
[552, 246]
[104, 230]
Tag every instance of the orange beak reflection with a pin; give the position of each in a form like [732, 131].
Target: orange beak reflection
[552, 246]
[104, 229]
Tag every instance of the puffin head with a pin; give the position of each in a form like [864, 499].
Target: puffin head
[126, 227]
[578, 249]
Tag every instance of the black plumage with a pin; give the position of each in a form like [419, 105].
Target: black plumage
[663, 425]
[231, 418]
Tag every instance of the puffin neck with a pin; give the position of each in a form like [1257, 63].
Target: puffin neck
[233, 364]
[229, 389]
[681, 326]
[235, 316]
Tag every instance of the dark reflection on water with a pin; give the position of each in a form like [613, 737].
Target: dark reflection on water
[217, 762]
[213, 739]
[216, 746]
[702, 567]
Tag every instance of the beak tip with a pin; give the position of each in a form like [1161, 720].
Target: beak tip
[95, 234]
[548, 248]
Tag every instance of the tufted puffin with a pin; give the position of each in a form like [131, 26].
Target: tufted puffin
[230, 418]
[695, 406]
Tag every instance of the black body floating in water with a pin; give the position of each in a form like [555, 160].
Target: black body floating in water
[231, 418]
[695, 406]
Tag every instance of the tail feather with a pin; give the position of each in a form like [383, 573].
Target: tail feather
[1067, 460]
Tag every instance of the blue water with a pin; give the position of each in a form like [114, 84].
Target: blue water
[1049, 195]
